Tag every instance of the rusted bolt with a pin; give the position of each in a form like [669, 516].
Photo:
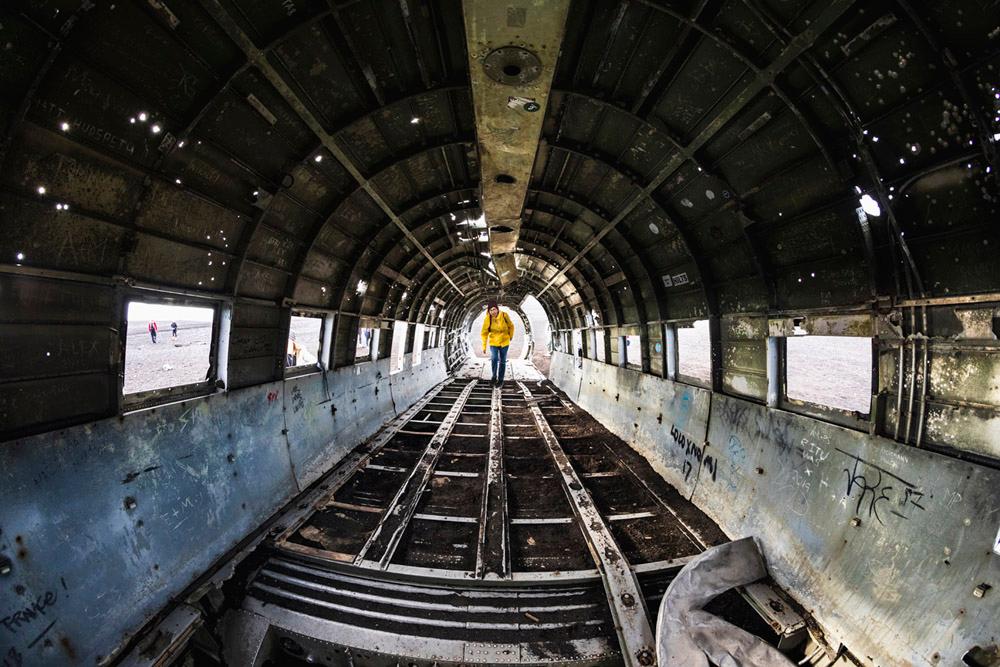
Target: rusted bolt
[980, 590]
[130, 503]
[855, 522]
[644, 656]
[4, 565]
[628, 600]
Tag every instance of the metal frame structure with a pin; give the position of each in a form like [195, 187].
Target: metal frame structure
[627, 602]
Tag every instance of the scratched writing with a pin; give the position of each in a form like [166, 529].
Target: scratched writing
[86, 128]
[25, 616]
[85, 84]
[694, 453]
[198, 167]
[812, 452]
[878, 490]
[737, 459]
[298, 402]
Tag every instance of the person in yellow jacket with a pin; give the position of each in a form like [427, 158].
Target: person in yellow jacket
[497, 332]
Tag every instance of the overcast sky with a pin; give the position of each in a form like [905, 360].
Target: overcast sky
[138, 311]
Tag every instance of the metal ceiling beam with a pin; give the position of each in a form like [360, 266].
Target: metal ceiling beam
[512, 48]
[260, 61]
[795, 48]
[314, 233]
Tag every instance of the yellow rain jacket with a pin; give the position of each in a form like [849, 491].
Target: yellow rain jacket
[497, 331]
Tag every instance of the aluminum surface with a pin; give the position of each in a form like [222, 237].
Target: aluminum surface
[921, 539]
[624, 596]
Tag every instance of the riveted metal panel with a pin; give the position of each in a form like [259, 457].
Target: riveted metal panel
[873, 537]
[111, 519]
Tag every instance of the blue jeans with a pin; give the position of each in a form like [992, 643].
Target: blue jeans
[498, 357]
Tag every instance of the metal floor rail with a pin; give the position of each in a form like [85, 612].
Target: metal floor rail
[489, 525]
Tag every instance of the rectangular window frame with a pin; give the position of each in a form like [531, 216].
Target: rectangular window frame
[780, 329]
[630, 351]
[600, 349]
[143, 400]
[400, 366]
[326, 330]
[674, 354]
[366, 323]
[419, 344]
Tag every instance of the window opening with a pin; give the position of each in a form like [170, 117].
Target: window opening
[305, 334]
[363, 348]
[167, 346]
[694, 351]
[418, 344]
[633, 352]
[830, 371]
[397, 357]
[599, 347]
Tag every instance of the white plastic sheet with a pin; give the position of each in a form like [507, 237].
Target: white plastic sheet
[688, 636]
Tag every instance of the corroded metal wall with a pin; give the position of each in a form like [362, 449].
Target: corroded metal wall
[104, 523]
[884, 543]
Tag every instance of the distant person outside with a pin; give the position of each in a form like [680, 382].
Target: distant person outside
[497, 332]
[296, 354]
[151, 327]
[173, 329]
[293, 351]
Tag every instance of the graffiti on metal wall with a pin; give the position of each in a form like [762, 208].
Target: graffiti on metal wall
[737, 460]
[694, 454]
[879, 492]
[29, 624]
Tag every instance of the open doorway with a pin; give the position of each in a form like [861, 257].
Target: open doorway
[541, 333]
